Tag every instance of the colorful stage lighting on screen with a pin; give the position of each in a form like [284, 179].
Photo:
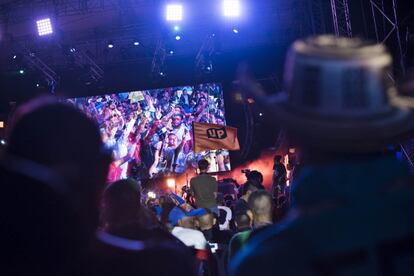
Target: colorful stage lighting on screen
[174, 12]
[231, 8]
[44, 27]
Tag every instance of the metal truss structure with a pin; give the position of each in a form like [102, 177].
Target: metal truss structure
[203, 60]
[158, 59]
[386, 26]
[49, 75]
[83, 60]
[341, 18]
[317, 16]
[33, 62]
[17, 11]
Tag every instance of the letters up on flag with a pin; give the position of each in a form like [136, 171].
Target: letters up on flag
[213, 137]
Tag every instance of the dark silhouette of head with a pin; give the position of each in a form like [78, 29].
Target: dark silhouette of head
[242, 220]
[207, 221]
[203, 165]
[277, 159]
[255, 176]
[260, 202]
[63, 139]
[121, 202]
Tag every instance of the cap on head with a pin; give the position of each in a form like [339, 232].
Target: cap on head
[339, 97]
[176, 214]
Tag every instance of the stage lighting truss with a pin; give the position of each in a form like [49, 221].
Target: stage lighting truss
[158, 59]
[83, 60]
[44, 27]
[203, 61]
[174, 12]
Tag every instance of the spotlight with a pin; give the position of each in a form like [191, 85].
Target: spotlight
[231, 8]
[14, 56]
[1, 124]
[161, 73]
[2, 141]
[21, 71]
[236, 31]
[171, 52]
[260, 114]
[44, 27]
[177, 37]
[72, 50]
[174, 12]
[37, 85]
[110, 45]
[176, 28]
[136, 43]
[171, 183]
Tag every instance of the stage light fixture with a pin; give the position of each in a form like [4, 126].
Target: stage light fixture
[44, 27]
[3, 142]
[110, 45]
[177, 37]
[2, 124]
[37, 85]
[174, 12]
[176, 28]
[236, 31]
[14, 56]
[171, 52]
[72, 50]
[21, 71]
[136, 43]
[231, 8]
[260, 114]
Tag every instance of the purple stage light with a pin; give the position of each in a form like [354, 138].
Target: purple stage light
[231, 8]
[44, 27]
[174, 12]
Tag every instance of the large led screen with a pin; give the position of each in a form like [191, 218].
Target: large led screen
[150, 132]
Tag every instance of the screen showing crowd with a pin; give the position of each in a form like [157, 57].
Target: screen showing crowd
[150, 132]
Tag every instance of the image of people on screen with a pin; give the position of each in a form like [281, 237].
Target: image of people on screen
[150, 132]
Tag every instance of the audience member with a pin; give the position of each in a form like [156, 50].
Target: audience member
[257, 177]
[350, 212]
[123, 215]
[224, 218]
[243, 221]
[184, 227]
[260, 204]
[241, 205]
[208, 226]
[71, 204]
[279, 177]
[204, 188]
